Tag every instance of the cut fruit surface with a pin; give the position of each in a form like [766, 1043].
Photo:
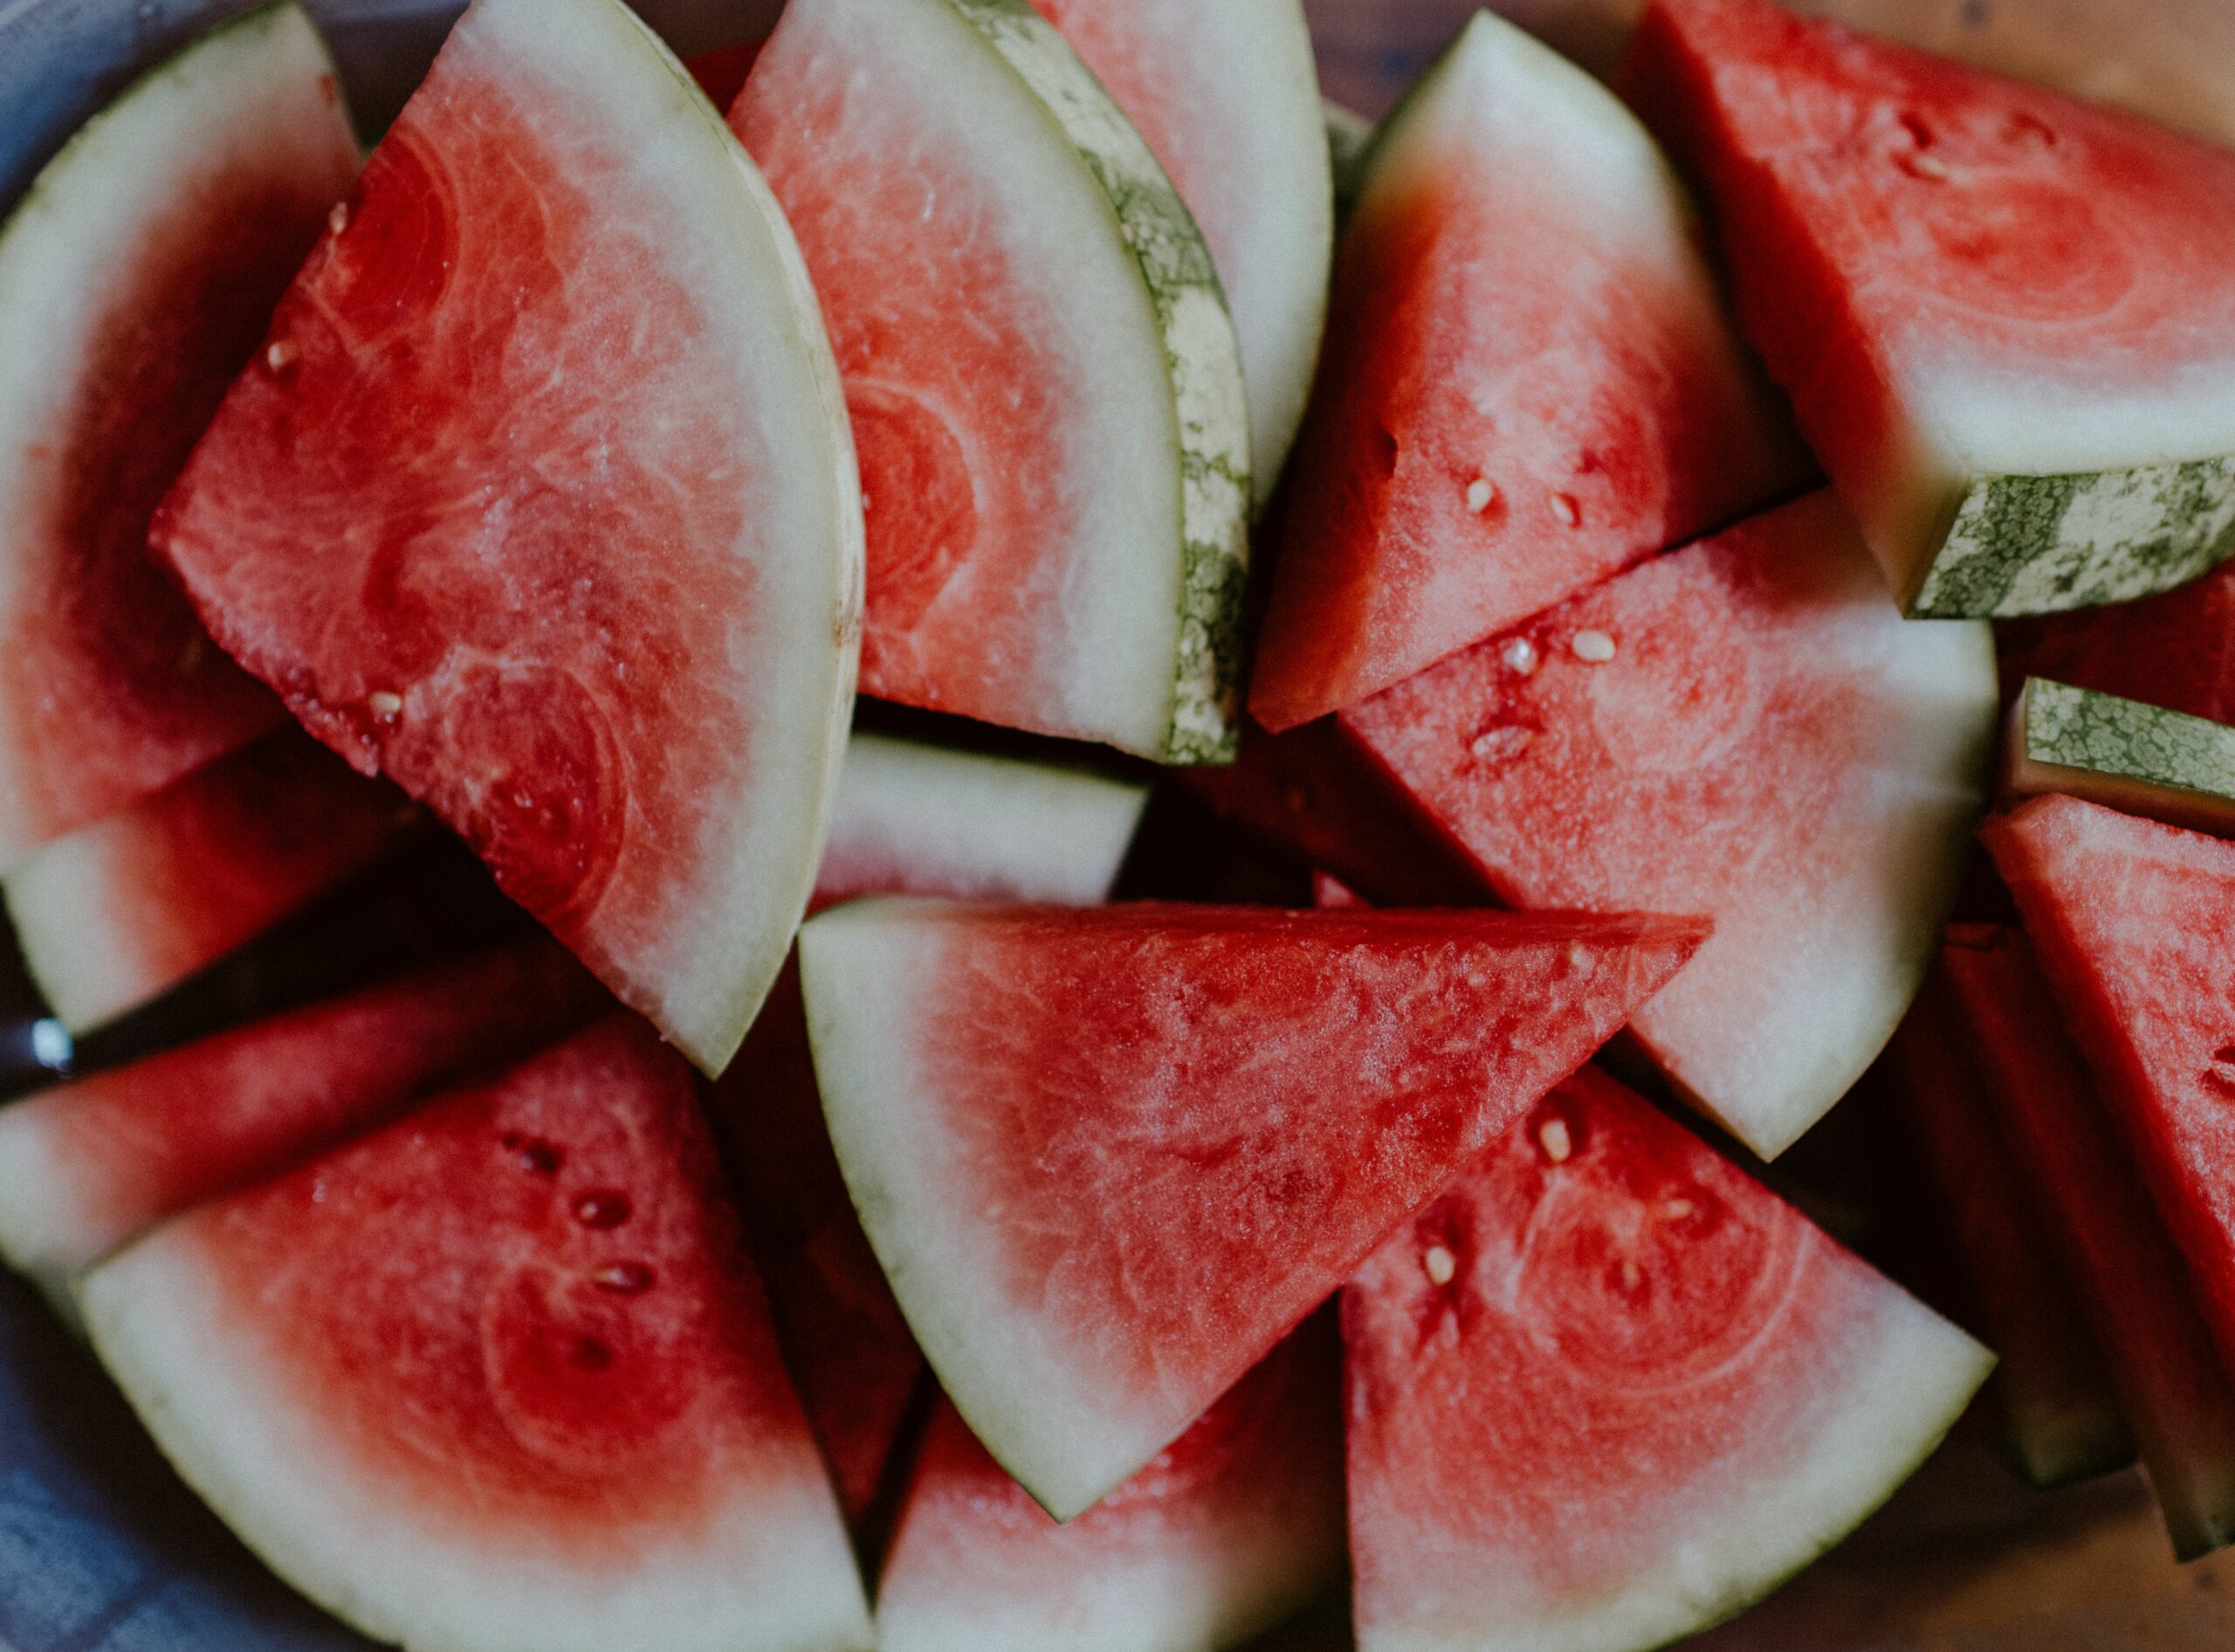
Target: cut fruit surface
[499, 1378]
[115, 913]
[2061, 1415]
[135, 279]
[1605, 1391]
[1043, 379]
[1748, 729]
[2129, 920]
[1236, 1525]
[918, 819]
[595, 606]
[86, 1167]
[2006, 316]
[1531, 384]
[2128, 1278]
[2174, 650]
[1226, 95]
[2143, 760]
[1109, 1157]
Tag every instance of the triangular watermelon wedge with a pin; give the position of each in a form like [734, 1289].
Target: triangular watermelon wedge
[1109, 1157]
[1044, 377]
[2127, 1277]
[1530, 381]
[1745, 728]
[136, 277]
[2130, 920]
[1226, 95]
[497, 1379]
[1234, 1526]
[2006, 316]
[580, 570]
[1607, 1391]
[115, 913]
[2061, 1417]
[86, 1167]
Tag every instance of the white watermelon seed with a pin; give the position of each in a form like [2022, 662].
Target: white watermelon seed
[1499, 743]
[1566, 509]
[1593, 648]
[1480, 493]
[1555, 1140]
[1520, 656]
[338, 220]
[1926, 166]
[1440, 1264]
[281, 354]
[1677, 1209]
[386, 707]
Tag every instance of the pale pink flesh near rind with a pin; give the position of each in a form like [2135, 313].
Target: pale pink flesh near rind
[999, 1081]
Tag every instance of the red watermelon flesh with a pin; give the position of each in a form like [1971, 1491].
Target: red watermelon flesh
[499, 1376]
[1607, 1390]
[721, 74]
[1961, 278]
[2061, 1417]
[135, 279]
[1745, 728]
[1109, 1157]
[2174, 650]
[89, 1165]
[2128, 1278]
[115, 913]
[584, 557]
[1530, 384]
[2129, 920]
[1235, 1526]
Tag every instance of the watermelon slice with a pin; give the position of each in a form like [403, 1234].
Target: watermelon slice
[499, 1377]
[2174, 650]
[135, 279]
[918, 819]
[2062, 1420]
[1350, 137]
[117, 912]
[1226, 95]
[86, 1167]
[2128, 1278]
[593, 604]
[1043, 378]
[2006, 316]
[1747, 729]
[2142, 759]
[1234, 1526]
[2130, 920]
[1607, 1390]
[1531, 384]
[1109, 1157]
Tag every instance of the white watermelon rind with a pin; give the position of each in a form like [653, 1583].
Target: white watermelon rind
[220, 1408]
[2049, 544]
[46, 1232]
[711, 1033]
[260, 87]
[2137, 758]
[979, 826]
[1202, 360]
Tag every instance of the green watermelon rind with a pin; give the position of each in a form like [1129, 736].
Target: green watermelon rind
[2048, 544]
[1202, 360]
[2124, 752]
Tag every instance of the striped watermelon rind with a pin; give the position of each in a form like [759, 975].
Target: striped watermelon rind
[2141, 759]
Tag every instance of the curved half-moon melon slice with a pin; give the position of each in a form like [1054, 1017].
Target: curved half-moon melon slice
[1227, 95]
[2006, 316]
[115, 913]
[1109, 1156]
[1530, 382]
[87, 1166]
[1045, 386]
[136, 278]
[499, 1378]
[1607, 1390]
[1234, 1526]
[541, 500]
